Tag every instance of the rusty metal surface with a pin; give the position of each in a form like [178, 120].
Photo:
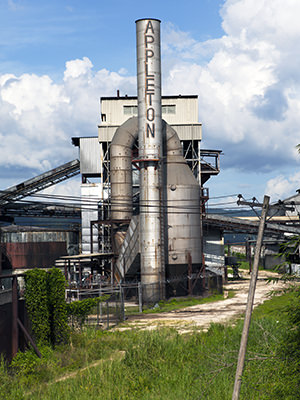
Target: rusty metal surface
[150, 147]
[34, 254]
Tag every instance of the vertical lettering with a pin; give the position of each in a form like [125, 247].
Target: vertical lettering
[148, 39]
[150, 114]
[151, 131]
[147, 72]
[150, 85]
[150, 27]
[149, 96]
[149, 54]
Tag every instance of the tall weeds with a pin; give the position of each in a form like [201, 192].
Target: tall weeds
[163, 364]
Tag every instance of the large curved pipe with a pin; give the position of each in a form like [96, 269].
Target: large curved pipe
[182, 192]
[121, 170]
[121, 165]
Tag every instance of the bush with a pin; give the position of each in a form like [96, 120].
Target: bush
[37, 304]
[57, 307]
[78, 311]
[46, 306]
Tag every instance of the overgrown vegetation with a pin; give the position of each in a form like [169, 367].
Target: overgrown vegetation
[46, 306]
[59, 329]
[163, 364]
[48, 311]
[78, 311]
[37, 304]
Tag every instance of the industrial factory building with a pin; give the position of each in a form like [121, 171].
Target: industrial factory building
[144, 177]
[180, 114]
[142, 188]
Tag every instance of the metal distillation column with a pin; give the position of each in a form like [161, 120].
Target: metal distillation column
[150, 156]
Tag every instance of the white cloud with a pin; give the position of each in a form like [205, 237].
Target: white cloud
[69, 189]
[39, 116]
[76, 68]
[248, 84]
[282, 187]
[32, 92]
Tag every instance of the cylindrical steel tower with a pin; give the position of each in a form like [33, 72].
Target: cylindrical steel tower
[150, 157]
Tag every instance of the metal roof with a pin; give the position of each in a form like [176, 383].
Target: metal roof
[193, 96]
[231, 224]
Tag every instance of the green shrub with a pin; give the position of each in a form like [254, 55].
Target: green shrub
[46, 306]
[57, 307]
[78, 311]
[37, 304]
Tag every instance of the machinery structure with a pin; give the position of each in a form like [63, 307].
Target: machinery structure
[144, 169]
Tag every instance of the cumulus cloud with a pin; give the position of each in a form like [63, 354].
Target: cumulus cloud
[248, 85]
[248, 82]
[69, 189]
[39, 116]
[282, 187]
[78, 67]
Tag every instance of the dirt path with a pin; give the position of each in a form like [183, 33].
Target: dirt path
[202, 315]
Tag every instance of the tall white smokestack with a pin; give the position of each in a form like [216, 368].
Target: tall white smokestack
[150, 155]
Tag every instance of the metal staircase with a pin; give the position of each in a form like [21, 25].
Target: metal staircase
[127, 262]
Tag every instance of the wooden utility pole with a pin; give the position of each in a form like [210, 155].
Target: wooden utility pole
[249, 307]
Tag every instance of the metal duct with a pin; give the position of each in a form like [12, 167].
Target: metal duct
[181, 197]
[121, 179]
[181, 193]
[150, 157]
[121, 170]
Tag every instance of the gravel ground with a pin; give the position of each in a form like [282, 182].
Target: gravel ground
[202, 315]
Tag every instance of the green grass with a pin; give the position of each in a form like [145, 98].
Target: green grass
[175, 304]
[161, 364]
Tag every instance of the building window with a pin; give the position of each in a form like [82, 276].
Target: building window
[168, 109]
[103, 117]
[165, 109]
[130, 110]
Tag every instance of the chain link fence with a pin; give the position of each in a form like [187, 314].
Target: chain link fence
[126, 299]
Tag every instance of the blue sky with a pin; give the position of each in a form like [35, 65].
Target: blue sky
[40, 36]
[57, 58]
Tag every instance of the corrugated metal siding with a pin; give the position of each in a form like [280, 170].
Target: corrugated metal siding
[90, 156]
[30, 249]
[188, 132]
[213, 248]
[186, 110]
[185, 132]
[106, 133]
[34, 254]
[34, 237]
[90, 213]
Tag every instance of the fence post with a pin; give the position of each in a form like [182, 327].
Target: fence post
[140, 295]
[107, 314]
[98, 306]
[122, 304]
[100, 294]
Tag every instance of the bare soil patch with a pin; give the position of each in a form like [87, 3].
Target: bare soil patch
[202, 315]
